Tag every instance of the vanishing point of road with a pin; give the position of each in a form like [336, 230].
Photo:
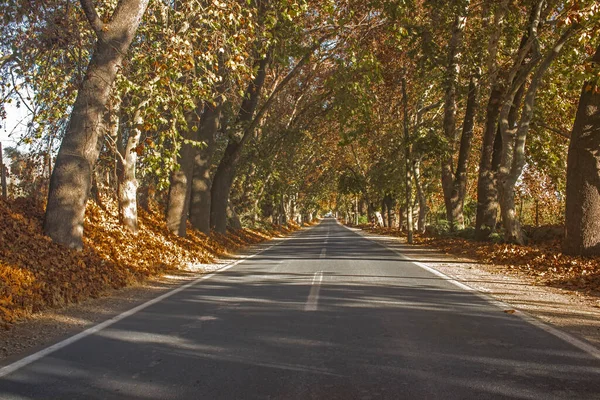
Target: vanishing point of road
[326, 314]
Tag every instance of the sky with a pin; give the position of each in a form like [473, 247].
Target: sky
[14, 125]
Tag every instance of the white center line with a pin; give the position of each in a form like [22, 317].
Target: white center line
[313, 296]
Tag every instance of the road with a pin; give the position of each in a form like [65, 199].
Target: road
[326, 314]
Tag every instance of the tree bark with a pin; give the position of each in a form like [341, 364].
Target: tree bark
[408, 166]
[388, 200]
[514, 139]
[582, 220]
[491, 152]
[223, 179]
[72, 176]
[180, 187]
[453, 211]
[127, 183]
[459, 184]
[423, 207]
[3, 175]
[201, 182]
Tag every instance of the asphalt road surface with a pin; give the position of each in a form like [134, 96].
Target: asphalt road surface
[326, 314]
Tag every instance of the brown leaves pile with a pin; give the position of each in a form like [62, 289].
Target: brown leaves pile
[36, 273]
[544, 262]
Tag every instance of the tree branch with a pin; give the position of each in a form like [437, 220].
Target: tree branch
[559, 132]
[282, 84]
[92, 17]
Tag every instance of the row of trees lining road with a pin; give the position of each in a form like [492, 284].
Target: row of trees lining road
[453, 115]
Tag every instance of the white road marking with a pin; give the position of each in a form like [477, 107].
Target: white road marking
[323, 253]
[580, 344]
[313, 297]
[10, 368]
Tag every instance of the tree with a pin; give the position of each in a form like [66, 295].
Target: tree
[72, 176]
[582, 224]
[453, 196]
[514, 136]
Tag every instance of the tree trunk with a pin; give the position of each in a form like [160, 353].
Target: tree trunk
[126, 179]
[384, 212]
[390, 207]
[453, 209]
[223, 179]
[487, 194]
[459, 185]
[72, 176]
[233, 220]
[3, 175]
[127, 194]
[201, 182]
[180, 187]
[423, 207]
[514, 139]
[582, 220]
[221, 187]
[408, 166]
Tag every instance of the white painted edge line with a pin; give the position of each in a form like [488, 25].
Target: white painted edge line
[313, 297]
[580, 344]
[15, 366]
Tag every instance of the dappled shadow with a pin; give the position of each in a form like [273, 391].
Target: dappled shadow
[229, 340]
[382, 329]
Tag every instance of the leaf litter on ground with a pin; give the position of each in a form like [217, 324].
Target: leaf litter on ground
[36, 273]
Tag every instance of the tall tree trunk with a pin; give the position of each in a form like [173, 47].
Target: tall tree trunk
[390, 207]
[356, 212]
[384, 211]
[459, 183]
[453, 211]
[221, 186]
[223, 179]
[582, 220]
[242, 130]
[487, 194]
[3, 175]
[423, 207]
[408, 166]
[201, 183]
[127, 183]
[514, 139]
[72, 176]
[181, 180]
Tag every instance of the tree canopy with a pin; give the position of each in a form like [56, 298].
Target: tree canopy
[449, 115]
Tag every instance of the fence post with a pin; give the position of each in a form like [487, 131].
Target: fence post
[3, 174]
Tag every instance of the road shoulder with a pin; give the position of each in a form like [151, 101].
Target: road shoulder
[562, 309]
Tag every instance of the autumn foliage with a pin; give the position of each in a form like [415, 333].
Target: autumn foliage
[36, 273]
